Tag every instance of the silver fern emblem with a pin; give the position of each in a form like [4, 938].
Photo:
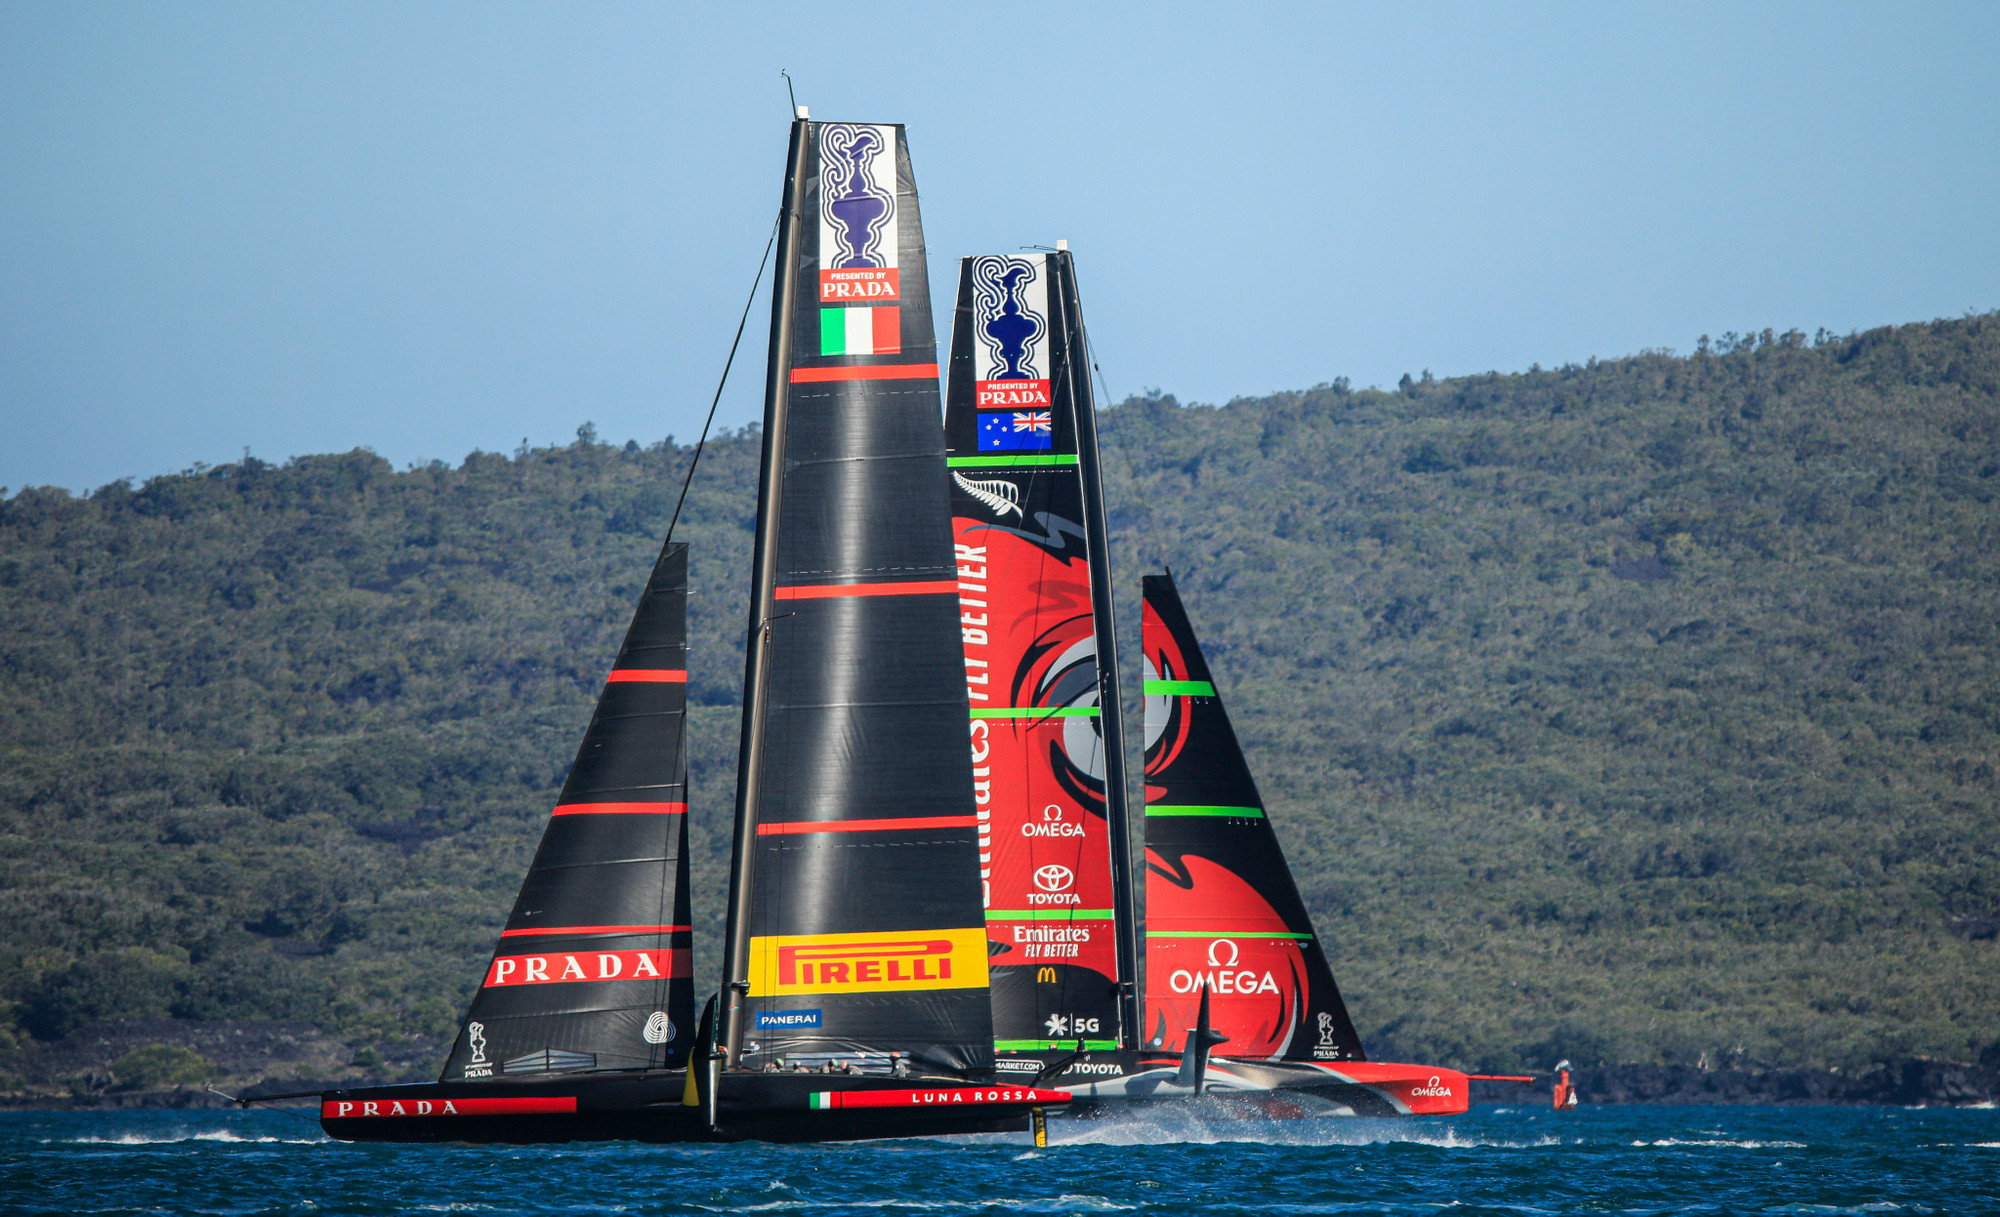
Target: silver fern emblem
[1000, 495]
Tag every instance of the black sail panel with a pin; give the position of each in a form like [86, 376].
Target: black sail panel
[1222, 911]
[592, 971]
[861, 929]
[1018, 421]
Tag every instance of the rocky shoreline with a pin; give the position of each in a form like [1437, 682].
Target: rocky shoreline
[172, 1063]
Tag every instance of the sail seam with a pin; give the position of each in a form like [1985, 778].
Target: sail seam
[620, 809]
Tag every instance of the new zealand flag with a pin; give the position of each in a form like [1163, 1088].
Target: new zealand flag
[1015, 431]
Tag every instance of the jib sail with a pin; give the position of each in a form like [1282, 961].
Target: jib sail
[1035, 620]
[1222, 912]
[856, 932]
[592, 970]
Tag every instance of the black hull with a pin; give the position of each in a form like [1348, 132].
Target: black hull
[776, 1107]
[649, 1107]
[640, 1107]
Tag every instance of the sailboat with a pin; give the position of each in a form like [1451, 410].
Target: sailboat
[856, 999]
[1232, 961]
[1041, 675]
[584, 1018]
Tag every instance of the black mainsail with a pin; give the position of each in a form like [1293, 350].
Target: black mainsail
[592, 970]
[857, 939]
[1040, 670]
[1223, 917]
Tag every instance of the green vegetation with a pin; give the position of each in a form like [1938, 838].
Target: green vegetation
[159, 1065]
[1641, 711]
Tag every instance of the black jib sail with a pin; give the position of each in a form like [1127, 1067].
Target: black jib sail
[857, 939]
[592, 970]
[1028, 519]
[1222, 913]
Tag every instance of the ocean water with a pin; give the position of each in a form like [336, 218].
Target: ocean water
[1513, 1160]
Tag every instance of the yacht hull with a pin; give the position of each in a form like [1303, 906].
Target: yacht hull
[1262, 1090]
[790, 1108]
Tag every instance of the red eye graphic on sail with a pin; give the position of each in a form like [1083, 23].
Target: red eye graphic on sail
[1208, 929]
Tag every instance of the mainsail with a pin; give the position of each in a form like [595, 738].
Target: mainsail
[1222, 913]
[592, 971]
[1035, 620]
[857, 938]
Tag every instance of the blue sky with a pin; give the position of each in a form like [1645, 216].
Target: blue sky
[430, 228]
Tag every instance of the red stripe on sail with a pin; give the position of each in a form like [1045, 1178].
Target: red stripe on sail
[595, 929]
[788, 827]
[826, 591]
[650, 676]
[619, 809]
[889, 371]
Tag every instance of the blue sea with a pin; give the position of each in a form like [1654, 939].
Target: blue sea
[1513, 1160]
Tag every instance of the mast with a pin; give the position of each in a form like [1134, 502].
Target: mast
[763, 583]
[1041, 672]
[856, 936]
[1112, 718]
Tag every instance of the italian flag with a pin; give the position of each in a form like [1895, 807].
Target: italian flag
[860, 331]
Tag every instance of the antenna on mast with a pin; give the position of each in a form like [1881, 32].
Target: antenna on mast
[798, 111]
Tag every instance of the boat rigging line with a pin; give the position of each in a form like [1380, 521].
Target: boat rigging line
[726, 365]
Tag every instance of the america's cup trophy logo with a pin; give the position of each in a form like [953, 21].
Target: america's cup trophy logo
[858, 208]
[1008, 326]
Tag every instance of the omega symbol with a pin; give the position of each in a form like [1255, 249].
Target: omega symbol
[1053, 878]
[1215, 946]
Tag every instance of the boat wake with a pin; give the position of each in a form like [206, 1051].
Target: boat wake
[1160, 1128]
[222, 1135]
[1684, 1143]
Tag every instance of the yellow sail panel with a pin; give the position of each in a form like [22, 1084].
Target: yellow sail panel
[895, 962]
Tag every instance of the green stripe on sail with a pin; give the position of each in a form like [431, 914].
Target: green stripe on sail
[1053, 1045]
[1048, 914]
[817, 1100]
[1035, 712]
[1180, 688]
[1010, 461]
[833, 331]
[1245, 813]
[1226, 934]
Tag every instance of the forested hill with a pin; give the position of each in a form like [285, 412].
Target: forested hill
[1644, 711]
